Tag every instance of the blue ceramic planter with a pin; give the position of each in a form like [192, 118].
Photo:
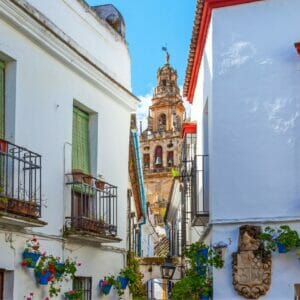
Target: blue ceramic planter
[202, 255]
[123, 281]
[33, 256]
[105, 289]
[204, 297]
[281, 248]
[43, 278]
[59, 269]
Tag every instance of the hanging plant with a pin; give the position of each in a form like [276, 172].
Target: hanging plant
[31, 253]
[282, 239]
[48, 268]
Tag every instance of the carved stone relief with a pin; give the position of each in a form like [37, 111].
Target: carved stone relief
[252, 264]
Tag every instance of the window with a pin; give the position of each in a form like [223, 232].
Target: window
[83, 284]
[170, 158]
[2, 107]
[162, 122]
[81, 141]
[158, 156]
[146, 160]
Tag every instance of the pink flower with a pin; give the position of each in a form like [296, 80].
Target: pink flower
[31, 294]
[79, 264]
[47, 298]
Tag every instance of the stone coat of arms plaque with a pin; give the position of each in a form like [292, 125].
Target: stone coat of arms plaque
[252, 264]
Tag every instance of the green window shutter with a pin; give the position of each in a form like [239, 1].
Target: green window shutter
[2, 109]
[80, 143]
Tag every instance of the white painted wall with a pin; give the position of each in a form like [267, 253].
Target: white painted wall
[93, 34]
[255, 112]
[252, 87]
[44, 83]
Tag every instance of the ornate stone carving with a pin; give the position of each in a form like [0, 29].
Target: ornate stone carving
[252, 264]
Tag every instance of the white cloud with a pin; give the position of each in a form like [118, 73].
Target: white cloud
[142, 110]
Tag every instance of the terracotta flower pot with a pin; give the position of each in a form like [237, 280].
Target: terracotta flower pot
[100, 184]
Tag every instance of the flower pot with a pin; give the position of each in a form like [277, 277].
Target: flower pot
[281, 248]
[88, 179]
[123, 281]
[204, 297]
[201, 257]
[3, 146]
[105, 288]
[32, 257]
[43, 277]
[59, 269]
[100, 184]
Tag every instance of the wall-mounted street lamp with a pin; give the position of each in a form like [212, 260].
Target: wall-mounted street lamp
[168, 268]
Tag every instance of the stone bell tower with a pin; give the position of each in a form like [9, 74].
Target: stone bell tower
[161, 142]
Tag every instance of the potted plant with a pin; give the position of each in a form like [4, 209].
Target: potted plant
[31, 253]
[42, 272]
[100, 183]
[127, 275]
[80, 177]
[282, 239]
[106, 284]
[73, 295]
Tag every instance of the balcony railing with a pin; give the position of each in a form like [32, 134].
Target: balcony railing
[93, 206]
[20, 180]
[200, 191]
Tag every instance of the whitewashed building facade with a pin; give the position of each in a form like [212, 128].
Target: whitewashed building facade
[243, 82]
[65, 104]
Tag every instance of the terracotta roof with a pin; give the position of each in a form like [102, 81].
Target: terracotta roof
[193, 45]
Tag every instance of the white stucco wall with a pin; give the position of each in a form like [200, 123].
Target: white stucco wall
[253, 96]
[93, 35]
[43, 83]
[254, 151]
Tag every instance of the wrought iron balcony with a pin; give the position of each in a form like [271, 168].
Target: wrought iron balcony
[200, 191]
[93, 208]
[20, 184]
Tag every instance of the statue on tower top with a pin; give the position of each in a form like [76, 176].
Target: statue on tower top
[167, 54]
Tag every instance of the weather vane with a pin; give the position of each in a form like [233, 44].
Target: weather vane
[167, 53]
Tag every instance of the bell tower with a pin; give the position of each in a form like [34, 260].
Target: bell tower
[161, 142]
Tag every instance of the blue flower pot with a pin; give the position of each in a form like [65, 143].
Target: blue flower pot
[281, 248]
[204, 297]
[59, 269]
[202, 254]
[105, 289]
[43, 278]
[33, 256]
[123, 281]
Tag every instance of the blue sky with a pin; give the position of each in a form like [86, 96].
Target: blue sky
[151, 24]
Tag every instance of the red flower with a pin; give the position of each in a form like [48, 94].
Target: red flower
[51, 268]
[51, 277]
[23, 263]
